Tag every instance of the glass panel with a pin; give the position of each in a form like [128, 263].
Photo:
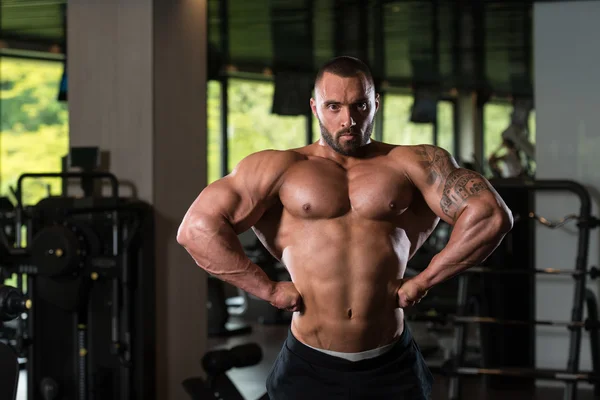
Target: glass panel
[252, 126]
[496, 120]
[213, 104]
[397, 129]
[34, 129]
[445, 119]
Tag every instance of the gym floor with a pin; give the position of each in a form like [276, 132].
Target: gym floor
[250, 381]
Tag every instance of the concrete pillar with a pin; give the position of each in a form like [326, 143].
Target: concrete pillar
[137, 89]
[567, 97]
[470, 133]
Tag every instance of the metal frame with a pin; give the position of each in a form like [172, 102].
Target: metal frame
[31, 55]
[582, 298]
[224, 36]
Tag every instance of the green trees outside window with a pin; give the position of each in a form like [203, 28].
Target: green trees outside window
[34, 131]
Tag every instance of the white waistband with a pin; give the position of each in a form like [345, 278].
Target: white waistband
[362, 355]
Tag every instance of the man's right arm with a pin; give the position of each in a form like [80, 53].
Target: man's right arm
[231, 206]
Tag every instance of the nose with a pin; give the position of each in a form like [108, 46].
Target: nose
[347, 120]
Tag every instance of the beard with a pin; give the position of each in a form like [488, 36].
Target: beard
[347, 147]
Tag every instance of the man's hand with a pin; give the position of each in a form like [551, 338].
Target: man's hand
[285, 296]
[410, 293]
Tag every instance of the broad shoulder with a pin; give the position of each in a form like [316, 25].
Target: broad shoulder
[268, 162]
[425, 165]
[418, 153]
[420, 159]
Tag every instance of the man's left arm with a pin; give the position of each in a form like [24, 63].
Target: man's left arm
[467, 201]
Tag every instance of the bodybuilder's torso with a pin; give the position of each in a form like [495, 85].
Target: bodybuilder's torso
[345, 234]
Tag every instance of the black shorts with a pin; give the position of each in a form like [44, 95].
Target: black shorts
[301, 372]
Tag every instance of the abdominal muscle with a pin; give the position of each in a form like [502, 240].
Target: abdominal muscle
[348, 288]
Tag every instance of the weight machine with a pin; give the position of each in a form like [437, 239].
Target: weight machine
[455, 367]
[12, 304]
[86, 264]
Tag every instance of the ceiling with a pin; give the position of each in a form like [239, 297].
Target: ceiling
[34, 21]
[483, 45]
[479, 45]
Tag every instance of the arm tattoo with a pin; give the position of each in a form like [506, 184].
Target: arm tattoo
[458, 183]
[437, 162]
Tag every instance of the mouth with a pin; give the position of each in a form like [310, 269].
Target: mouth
[348, 137]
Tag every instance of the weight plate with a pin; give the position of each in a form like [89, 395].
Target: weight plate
[56, 250]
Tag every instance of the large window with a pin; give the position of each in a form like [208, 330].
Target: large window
[397, 128]
[445, 128]
[33, 125]
[251, 125]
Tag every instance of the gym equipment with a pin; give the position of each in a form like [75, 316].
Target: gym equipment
[89, 268]
[592, 272]
[518, 130]
[216, 363]
[12, 304]
[550, 224]
[522, 372]
[582, 297]
[588, 324]
[9, 372]
[218, 313]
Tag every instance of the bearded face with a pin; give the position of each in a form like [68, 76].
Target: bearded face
[345, 108]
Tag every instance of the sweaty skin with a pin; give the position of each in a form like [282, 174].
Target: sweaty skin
[344, 226]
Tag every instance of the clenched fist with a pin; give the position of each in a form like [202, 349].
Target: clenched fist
[285, 296]
[410, 293]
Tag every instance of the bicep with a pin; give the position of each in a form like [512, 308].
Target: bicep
[461, 188]
[230, 200]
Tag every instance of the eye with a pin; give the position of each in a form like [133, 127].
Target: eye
[362, 106]
[333, 107]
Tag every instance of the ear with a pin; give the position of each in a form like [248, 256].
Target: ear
[376, 102]
[313, 106]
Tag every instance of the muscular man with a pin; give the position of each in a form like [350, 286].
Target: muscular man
[345, 215]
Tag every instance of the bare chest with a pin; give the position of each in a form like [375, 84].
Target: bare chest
[321, 189]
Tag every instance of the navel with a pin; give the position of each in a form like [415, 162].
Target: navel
[306, 207]
[349, 313]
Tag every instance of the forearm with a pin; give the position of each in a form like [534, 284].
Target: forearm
[215, 247]
[475, 236]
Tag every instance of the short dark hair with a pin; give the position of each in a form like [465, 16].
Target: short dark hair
[345, 66]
